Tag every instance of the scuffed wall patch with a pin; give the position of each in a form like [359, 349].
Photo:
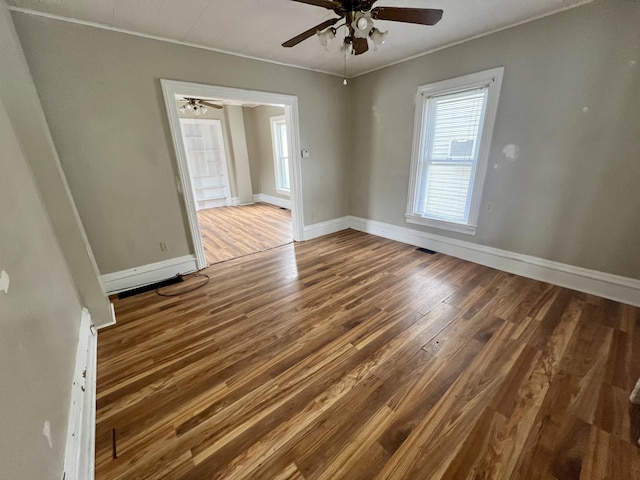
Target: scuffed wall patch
[4, 282]
[46, 432]
[377, 116]
[511, 151]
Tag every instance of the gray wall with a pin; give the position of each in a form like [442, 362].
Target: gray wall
[101, 94]
[39, 322]
[20, 98]
[573, 195]
[235, 119]
[259, 142]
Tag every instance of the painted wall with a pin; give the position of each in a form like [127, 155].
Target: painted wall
[259, 142]
[20, 98]
[235, 119]
[40, 315]
[101, 94]
[570, 103]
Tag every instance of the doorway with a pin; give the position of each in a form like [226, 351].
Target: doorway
[226, 216]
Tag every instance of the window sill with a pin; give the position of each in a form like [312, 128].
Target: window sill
[283, 192]
[441, 224]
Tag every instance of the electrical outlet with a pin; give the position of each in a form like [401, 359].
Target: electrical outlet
[163, 247]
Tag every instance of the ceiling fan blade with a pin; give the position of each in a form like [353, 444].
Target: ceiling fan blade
[360, 45]
[422, 16]
[319, 3]
[213, 105]
[309, 33]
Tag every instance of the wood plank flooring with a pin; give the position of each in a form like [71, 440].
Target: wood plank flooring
[231, 232]
[356, 357]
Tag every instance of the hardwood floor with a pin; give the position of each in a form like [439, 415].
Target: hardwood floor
[231, 232]
[351, 356]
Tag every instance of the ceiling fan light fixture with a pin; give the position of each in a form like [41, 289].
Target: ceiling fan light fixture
[326, 36]
[182, 109]
[362, 25]
[378, 37]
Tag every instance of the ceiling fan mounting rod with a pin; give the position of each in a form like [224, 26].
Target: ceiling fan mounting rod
[343, 7]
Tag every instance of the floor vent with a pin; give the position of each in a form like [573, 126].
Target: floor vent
[426, 250]
[152, 286]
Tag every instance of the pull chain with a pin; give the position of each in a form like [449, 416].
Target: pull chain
[344, 79]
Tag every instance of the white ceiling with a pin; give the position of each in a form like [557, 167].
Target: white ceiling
[257, 28]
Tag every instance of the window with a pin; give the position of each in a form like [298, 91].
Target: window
[280, 154]
[452, 136]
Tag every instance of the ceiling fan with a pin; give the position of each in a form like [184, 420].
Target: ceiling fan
[358, 16]
[196, 106]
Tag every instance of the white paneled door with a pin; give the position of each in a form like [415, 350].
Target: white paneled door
[204, 148]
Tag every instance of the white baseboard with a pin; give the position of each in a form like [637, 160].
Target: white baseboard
[136, 277]
[614, 287]
[235, 201]
[277, 201]
[325, 228]
[81, 431]
[113, 319]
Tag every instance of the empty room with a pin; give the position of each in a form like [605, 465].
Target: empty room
[320, 239]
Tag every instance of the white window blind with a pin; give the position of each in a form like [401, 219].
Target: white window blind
[451, 145]
[452, 134]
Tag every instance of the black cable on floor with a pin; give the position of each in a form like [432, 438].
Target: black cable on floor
[197, 274]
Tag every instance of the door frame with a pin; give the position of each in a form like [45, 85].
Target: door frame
[171, 88]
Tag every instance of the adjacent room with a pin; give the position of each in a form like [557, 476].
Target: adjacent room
[237, 164]
[320, 239]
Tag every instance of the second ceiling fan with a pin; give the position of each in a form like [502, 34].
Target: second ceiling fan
[359, 16]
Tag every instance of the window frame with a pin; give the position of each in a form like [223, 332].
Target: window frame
[492, 79]
[276, 141]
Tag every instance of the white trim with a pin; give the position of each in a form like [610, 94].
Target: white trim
[432, 222]
[295, 171]
[154, 272]
[113, 319]
[325, 228]
[81, 430]
[171, 88]
[615, 287]
[277, 201]
[275, 148]
[235, 201]
[490, 79]
[102, 26]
